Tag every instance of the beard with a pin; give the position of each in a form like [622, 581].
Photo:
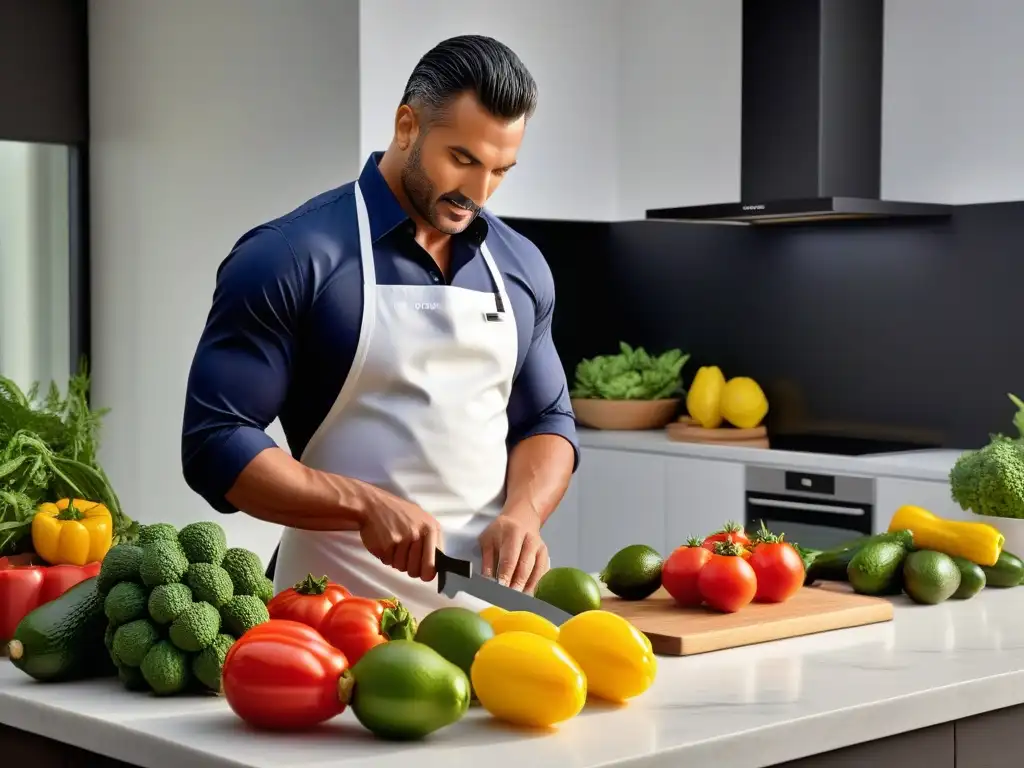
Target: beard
[423, 197]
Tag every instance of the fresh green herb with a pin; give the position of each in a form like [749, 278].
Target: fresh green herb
[632, 374]
[48, 450]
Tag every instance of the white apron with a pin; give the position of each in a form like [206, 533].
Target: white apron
[422, 415]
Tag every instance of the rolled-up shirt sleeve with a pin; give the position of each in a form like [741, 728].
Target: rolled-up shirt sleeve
[539, 403]
[241, 370]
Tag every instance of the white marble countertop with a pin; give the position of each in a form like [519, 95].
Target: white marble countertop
[743, 708]
[915, 465]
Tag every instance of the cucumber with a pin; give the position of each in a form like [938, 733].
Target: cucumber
[63, 639]
[972, 579]
[832, 564]
[1007, 572]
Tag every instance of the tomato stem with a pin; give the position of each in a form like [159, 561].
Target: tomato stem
[729, 548]
[731, 527]
[764, 536]
[693, 541]
[396, 623]
[311, 585]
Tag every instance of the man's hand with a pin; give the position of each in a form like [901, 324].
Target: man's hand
[402, 535]
[512, 547]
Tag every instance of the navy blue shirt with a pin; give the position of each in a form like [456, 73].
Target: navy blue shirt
[284, 325]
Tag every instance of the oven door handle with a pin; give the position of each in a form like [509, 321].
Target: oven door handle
[806, 506]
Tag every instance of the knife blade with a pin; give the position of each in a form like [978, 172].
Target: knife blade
[455, 576]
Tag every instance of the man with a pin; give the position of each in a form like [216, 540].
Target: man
[402, 334]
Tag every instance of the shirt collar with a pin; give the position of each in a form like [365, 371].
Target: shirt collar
[386, 213]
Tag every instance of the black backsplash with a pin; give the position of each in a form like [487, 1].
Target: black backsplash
[899, 330]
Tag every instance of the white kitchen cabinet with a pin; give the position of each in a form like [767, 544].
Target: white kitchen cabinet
[701, 496]
[621, 500]
[561, 532]
[891, 493]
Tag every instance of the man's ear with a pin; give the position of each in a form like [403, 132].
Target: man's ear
[407, 127]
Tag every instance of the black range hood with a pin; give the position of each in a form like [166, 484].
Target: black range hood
[811, 145]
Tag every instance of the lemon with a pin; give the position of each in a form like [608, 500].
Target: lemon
[703, 400]
[743, 402]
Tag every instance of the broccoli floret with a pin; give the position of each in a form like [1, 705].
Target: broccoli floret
[208, 664]
[126, 601]
[245, 569]
[210, 584]
[166, 669]
[163, 562]
[243, 612]
[990, 481]
[196, 627]
[121, 563]
[203, 542]
[131, 678]
[132, 642]
[157, 532]
[266, 590]
[167, 601]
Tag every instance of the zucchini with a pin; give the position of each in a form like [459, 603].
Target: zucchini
[1007, 572]
[63, 639]
[832, 564]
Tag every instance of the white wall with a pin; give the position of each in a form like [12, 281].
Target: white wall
[953, 101]
[568, 162]
[208, 116]
[679, 104]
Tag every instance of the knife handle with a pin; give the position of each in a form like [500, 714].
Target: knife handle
[445, 564]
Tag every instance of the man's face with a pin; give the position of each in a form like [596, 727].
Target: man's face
[454, 167]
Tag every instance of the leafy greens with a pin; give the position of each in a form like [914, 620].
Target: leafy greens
[633, 374]
[48, 450]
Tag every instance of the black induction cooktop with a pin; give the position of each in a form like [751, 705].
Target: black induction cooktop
[842, 445]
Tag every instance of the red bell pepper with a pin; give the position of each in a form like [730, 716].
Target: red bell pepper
[23, 588]
[357, 624]
[283, 675]
[308, 601]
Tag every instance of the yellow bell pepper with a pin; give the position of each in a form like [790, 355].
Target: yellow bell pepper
[615, 656]
[978, 542]
[72, 532]
[491, 612]
[523, 621]
[529, 680]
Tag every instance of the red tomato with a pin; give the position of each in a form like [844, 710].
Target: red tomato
[680, 572]
[280, 676]
[727, 582]
[308, 601]
[730, 532]
[357, 624]
[779, 570]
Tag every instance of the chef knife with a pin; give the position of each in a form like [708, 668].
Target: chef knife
[454, 576]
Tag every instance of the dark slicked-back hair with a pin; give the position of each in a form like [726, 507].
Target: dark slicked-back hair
[482, 65]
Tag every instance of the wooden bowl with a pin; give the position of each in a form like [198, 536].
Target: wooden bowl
[624, 414]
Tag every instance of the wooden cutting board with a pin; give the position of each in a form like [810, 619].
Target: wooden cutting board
[686, 430]
[676, 631]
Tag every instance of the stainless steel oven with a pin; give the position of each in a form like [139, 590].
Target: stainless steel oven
[818, 511]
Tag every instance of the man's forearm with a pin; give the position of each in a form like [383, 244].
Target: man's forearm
[276, 488]
[539, 471]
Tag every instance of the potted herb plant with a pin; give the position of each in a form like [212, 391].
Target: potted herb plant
[628, 390]
[990, 483]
